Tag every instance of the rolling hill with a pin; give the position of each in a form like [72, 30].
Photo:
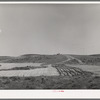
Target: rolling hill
[59, 71]
[52, 59]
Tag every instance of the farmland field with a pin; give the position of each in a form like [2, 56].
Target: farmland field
[65, 70]
[48, 71]
[91, 68]
[12, 65]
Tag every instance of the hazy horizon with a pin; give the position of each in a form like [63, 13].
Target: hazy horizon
[49, 29]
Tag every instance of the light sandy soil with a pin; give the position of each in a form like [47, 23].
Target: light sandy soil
[12, 65]
[90, 68]
[49, 71]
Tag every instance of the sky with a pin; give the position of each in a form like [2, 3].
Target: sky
[49, 29]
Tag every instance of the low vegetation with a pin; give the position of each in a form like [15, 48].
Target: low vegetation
[49, 82]
[35, 58]
[23, 68]
[66, 72]
[51, 59]
[89, 59]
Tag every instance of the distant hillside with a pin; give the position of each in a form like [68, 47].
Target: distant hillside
[35, 59]
[89, 59]
[6, 58]
[97, 55]
[51, 59]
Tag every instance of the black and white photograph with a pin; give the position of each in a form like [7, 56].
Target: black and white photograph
[49, 46]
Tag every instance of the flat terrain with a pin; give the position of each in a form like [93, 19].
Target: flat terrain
[90, 68]
[36, 70]
[12, 65]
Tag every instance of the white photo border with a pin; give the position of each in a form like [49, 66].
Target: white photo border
[50, 94]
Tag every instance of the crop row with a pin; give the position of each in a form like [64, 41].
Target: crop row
[68, 71]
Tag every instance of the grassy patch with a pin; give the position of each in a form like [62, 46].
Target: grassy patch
[50, 82]
[23, 68]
